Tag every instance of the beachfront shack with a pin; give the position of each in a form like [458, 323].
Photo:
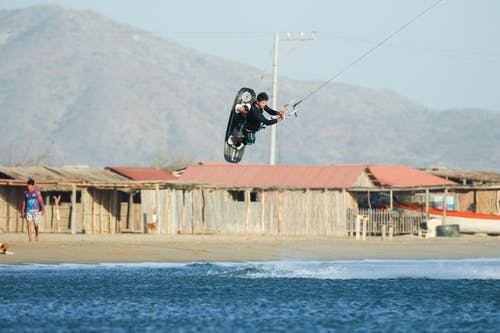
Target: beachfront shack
[311, 200]
[479, 193]
[269, 200]
[220, 198]
[298, 200]
[78, 199]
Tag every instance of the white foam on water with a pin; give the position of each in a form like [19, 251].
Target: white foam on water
[378, 269]
[452, 269]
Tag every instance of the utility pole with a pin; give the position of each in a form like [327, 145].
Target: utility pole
[274, 99]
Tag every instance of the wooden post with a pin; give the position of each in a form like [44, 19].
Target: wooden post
[203, 212]
[73, 208]
[444, 205]
[392, 200]
[82, 209]
[391, 232]
[169, 211]
[427, 198]
[141, 217]
[383, 231]
[157, 206]
[48, 214]
[192, 212]
[262, 212]
[279, 214]
[18, 199]
[368, 198]
[307, 210]
[271, 215]
[7, 226]
[110, 214]
[57, 200]
[174, 211]
[358, 227]
[101, 206]
[328, 227]
[158, 209]
[130, 209]
[247, 219]
[475, 202]
[183, 225]
[93, 212]
[114, 212]
[365, 222]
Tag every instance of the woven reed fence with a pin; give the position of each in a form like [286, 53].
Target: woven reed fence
[249, 211]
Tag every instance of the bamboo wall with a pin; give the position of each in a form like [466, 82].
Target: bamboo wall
[101, 212]
[484, 201]
[98, 212]
[10, 208]
[209, 211]
[196, 210]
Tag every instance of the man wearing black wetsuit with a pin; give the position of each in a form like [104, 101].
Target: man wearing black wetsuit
[255, 118]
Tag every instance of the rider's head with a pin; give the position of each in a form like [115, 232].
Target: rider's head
[262, 99]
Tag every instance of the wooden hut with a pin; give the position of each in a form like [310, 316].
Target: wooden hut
[480, 191]
[92, 200]
[217, 198]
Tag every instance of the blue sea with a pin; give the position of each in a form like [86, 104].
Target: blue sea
[271, 296]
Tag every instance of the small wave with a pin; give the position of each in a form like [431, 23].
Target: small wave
[476, 269]
[372, 269]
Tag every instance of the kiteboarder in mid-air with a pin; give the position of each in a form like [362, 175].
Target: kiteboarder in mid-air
[246, 115]
[252, 118]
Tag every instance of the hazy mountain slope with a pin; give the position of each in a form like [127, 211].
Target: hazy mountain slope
[102, 93]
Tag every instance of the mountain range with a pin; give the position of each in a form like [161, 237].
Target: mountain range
[78, 88]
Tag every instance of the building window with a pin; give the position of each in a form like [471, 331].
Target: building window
[239, 196]
[125, 197]
[65, 196]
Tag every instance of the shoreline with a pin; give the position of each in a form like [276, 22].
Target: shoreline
[141, 248]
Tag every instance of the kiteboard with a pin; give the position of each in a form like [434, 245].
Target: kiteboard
[236, 120]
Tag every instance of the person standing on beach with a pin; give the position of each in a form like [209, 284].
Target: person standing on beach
[32, 208]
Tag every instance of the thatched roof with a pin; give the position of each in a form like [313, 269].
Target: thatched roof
[467, 176]
[68, 174]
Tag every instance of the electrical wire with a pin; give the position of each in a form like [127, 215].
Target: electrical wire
[364, 55]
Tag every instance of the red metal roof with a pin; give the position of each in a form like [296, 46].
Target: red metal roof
[301, 176]
[405, 176]
[140, 174]
[307, 176]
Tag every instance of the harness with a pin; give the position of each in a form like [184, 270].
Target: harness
[249, 135]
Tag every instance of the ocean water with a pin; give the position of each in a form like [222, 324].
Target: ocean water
[271, 296]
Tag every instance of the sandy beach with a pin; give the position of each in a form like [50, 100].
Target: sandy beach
[65, 248]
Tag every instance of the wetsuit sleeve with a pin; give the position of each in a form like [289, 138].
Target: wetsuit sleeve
[271, 111]
[264, 120]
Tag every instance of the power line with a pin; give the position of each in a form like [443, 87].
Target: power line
[467, 54]
[364, 55]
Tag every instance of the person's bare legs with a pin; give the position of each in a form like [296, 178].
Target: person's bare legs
[36, 231]
[30, 224]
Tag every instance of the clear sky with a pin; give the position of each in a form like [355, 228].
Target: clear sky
[449, 58]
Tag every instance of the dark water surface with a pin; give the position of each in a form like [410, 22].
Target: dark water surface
[275, 296]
